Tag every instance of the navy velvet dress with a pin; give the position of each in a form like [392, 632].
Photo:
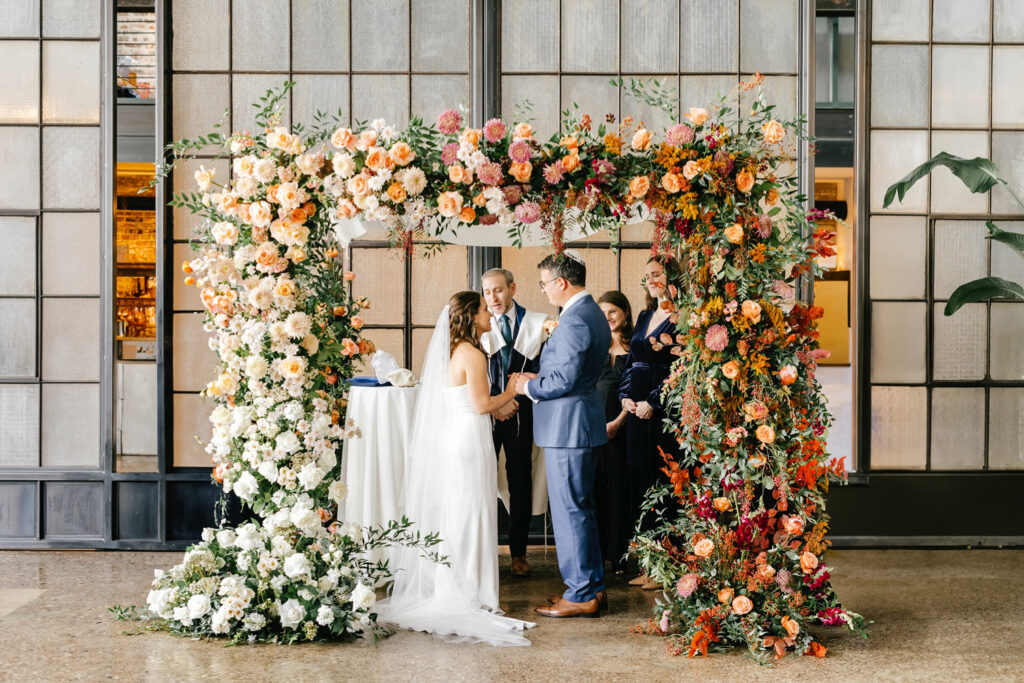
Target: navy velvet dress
[645, 371]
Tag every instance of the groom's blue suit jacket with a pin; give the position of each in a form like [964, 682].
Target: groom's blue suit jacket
[570, 413]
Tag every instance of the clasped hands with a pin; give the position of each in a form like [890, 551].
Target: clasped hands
[643, 410]
[516, 383]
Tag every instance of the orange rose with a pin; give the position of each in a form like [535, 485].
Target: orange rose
[808, 562]
[377, 158]
[731, 370]
[765, 434]
[691, 170]
[703, 547]
[639, 186]
[752, 311]
[794, 525]
[792, 628]
[787, 375]
[401, 153]
[458, 174]
[467, 215]
[396, 193]
[350, 348]
[340, 310]
[523, 130]
[773, 132]
[349, 276]
[721, 503]
[744, 181]
[725, 596]
[449, 204]
[672, 182]
[772, 197]
[521, 171]
[471, 135]
[357, 322]
[571, 162]
[734, 233]
[569, 142]
[741, 604]
[343, 138]
[480, 199]
[641, 139]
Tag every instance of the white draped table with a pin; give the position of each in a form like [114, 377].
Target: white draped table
[373, 466]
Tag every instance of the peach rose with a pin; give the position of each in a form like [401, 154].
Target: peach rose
[639, 186]
[741, 604]
[794, 525]
[348, 276]
[267, 255]
[479, 199]
[766, 572]
[765, 434]
[691, 170]
[569, 142]
[377, 159]
[672, 182]
[641, 139]
[350, 348]
[791, 626]
[725, 596]
[703, 547]
[731, 370]
[697, 116]
[787, 375]
[734, 233]
[343, 139]
[357, 322]
[471, 135]
[757, 460]
[357, 186]
[467, 215]
[284, 288]
[752, 311]
[367, 139]
[721, 503]
[401, 153]
[346, 209]
[396, 192]
[744, 181]
[523, 131]
[458, 174]
[449, 204]
[291, 367]
[570, 162]
[521, 171]
[808, 562]
[773, 132]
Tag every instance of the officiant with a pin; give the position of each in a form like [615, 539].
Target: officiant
[513, 345]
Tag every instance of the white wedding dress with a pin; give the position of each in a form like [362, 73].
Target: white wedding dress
[451, 489]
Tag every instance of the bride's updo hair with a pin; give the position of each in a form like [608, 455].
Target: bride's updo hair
[462, 311]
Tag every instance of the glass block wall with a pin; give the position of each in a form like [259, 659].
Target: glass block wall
[50, 284]
[947, 393]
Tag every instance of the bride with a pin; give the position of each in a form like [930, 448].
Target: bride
[451, 489]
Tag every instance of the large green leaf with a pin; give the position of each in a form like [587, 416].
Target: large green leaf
[978, 174]
[1014, 240]
[980, 290]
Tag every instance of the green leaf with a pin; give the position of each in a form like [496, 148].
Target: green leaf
[1014, 240]
[978, 174]
[980, 290]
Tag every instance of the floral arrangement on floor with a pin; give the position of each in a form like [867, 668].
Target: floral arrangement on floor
[287, 332]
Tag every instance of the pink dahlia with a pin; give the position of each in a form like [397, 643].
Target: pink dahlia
[764, 226]
[554, 172]
[679, 134]
[489, 173]
[494, 130]
[528, 212]
[519, 151]
[686, 585]
[450, 153]
[449, 122]
[717, 338]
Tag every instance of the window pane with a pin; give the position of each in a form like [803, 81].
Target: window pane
[200, 101]
[195, 364]
[71, 437]
[259, 30]
[320, 35]
[72, 18]
[634, 263]
[71, 339]
[897, 342]
[191, 419]
[432, 95]
[18, 276]
[439, 35]
[960, 21]
[71, 168]
[899, 428]
[654, 118]
[709, 36]
[201, 35]
[769, 36]
[529, 35]
[73, 509]
[435, 279]
[541, 92]
[958, 429]
[823, 59]
[380, 35]
[246, 90]
[19, 148]
[703, 91]
[893, 154]
[17, 337]
[961, 254]
[899, 85]
[1007, 151]
[19, 81]
[1006, 262]
[19, 425]
[899, 20]
[778, 90]
[71, 81]
[846, 59]
[19, 18]
[380, 276]
[649, 36]
[1009, 22]
[391, 341]
[1007, 333]
[949, 194]
[326, 92]
[594, 95]
[590, 36]
[960, 343]
[381, 97]
[898, 252]
[1006, 429]
[960, 86]
[71, 253]
[1007, 94]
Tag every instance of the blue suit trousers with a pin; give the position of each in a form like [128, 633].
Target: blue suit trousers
[571, 473]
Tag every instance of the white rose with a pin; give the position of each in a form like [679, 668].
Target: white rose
[249, 537]
[219, 621]
[246, 488]
[297, 565]
[198, 606]
[268, 470]
[260, 214]
[337, 491]
[220, 416]
[159, 602]
[306, 519]
[363, 597]
[226, 537]
[325, 615]
[310, 476]
[181, 614]
[292, 613]
[287, 442]
[208, 534]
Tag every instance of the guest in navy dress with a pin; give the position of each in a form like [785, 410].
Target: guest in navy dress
[614, 521]
[646, 368]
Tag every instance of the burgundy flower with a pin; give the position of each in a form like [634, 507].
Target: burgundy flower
[513, 193]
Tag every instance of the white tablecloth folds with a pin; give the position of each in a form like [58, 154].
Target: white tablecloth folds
[373, 466]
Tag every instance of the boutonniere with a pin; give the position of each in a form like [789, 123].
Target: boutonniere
[549, 327]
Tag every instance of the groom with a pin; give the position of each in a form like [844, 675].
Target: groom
[569, 423]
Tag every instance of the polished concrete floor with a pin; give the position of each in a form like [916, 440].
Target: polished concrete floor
[940, 615]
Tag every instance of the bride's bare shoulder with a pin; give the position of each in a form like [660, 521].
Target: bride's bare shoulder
[467, 350]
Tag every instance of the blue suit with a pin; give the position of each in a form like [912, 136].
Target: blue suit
[569, 423]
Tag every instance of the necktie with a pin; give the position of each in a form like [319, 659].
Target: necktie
[506, 350]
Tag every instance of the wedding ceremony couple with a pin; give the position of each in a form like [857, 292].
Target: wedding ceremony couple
[551, 397]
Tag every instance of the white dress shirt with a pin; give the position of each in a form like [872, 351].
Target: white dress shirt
[568, 304]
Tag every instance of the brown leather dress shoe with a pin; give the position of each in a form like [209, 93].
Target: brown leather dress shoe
[602, 600]
[520, 567]
[564, 609]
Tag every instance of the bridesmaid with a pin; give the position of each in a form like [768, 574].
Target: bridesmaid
[646, 368]
[613, 517]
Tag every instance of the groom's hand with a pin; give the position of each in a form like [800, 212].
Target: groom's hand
[521, 381]
[506, 411]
